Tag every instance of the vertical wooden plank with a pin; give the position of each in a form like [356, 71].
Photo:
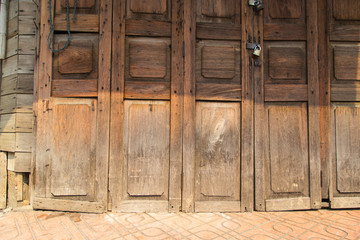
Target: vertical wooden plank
[103, 117]
[3, 179]
[189, 107]
[314, 112]
[19, 187]
[247, 136]
[324, 83]
[117, 105]
[259, 120]
[42, 100]
[177, 93]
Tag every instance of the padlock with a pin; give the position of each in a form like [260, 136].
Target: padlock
[259, 5]
[252, 2]
[257, 50]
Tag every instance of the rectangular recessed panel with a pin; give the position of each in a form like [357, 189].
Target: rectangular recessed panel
[347, 62]
[218, 149]
[288, 147]
[285, 9]
[346, 9]
[147, 147]
[218, 8]
[149, 6]
[218, 62]
[80, 60]
[76, 58]
[148, 58]
[73, 149]
[285, 62]
[347, 128]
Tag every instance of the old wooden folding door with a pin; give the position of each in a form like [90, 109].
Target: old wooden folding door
[72, 105]
[161, 106]
[340, 96]
[176, 106]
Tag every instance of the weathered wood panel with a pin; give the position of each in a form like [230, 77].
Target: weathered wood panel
[347, 137]
[73, 124]
[217, 152]
[288, 148]
[147, 141]
[346, 62]
[3, 180]
[285, 62]
[346, 9]
[19, 161]
[17, 83]
[16, 122]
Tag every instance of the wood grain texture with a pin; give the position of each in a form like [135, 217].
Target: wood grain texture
[188, 144]
[347, 137]
[117, 106]
[147, 90]
[72, 167]
[259, 122]
[140, 27]
[324, 84]
[177, 101]
[247, 111]
[218, 92]
[68, 205]
[217, 151]
[103, 105]
[280, 9]
[288, 148]
[83, 23]
[285, 62]
[151, 7]
[218, 11]
[284, 32]
[3, 180]
[76, 58]
[288, 204]
[74, 88]
[346, 9]
[286, 92]
[313, 105]
[345, 92]
[147, 131]
[218, 62]
[344, 32]
[346, 62]
[148, 58]
[345, 202]
[220, 31]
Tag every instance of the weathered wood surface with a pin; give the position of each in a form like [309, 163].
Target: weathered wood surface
[3, 180]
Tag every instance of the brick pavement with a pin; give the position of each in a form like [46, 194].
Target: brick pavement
[40, 225]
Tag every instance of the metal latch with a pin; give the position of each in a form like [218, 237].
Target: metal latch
[257, 4]
[254, 46]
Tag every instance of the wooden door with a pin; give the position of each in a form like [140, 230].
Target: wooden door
[287, 141]
[218, 116]
[72, 109]
[342, 135]
[146, 106]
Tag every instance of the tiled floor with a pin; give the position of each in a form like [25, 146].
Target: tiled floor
[323, 224]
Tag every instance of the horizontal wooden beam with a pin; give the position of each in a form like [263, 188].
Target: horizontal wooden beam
[284, 32]
[218, 31]
[286, 92]
[345, 92]
[147, 90]
[74, 88]
[148, 28]
[218, 92]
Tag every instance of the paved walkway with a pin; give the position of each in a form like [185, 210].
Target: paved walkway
[323, 224]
